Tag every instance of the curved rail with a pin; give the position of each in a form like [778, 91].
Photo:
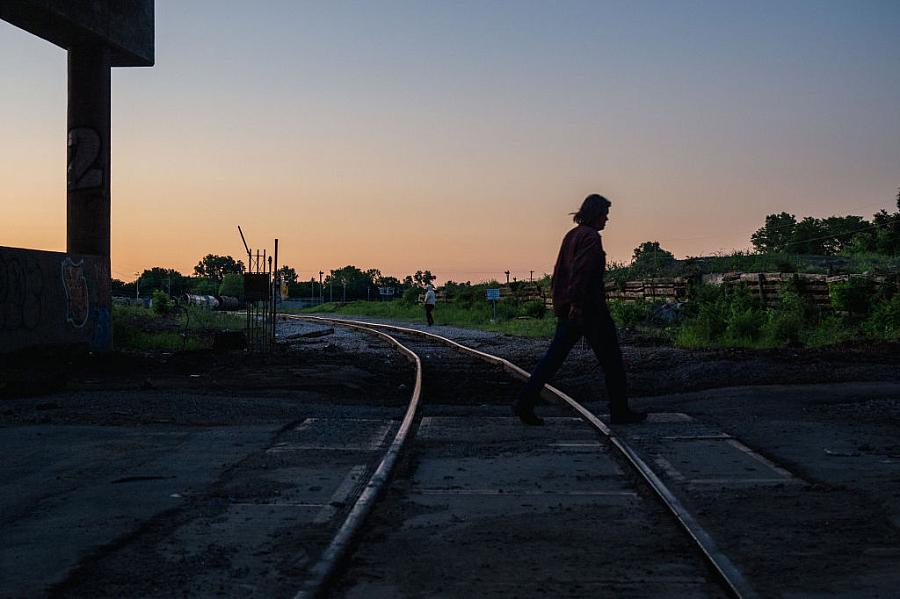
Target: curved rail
[725, 569]
[322, 571]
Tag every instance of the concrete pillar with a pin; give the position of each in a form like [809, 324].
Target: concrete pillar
[87, 177]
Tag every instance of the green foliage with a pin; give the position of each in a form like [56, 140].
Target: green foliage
[162, 304]
[183, 329]
[534, 309]
[650, 259]
[709, 320]
[216, 267]
[475, 316]
[786, 322]
[629, 314]
[356, 283]
[776, 234]
[287, 274]
[853, 295]
[166, 279]
[411, 296]
[884, 322]
[721, 317]
[232, 285]
[422, 278]
[201, 286]
[830, 236]
[831, 330]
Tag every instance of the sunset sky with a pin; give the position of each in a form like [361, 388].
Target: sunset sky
[457, 136]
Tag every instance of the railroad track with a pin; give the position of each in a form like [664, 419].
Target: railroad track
[504, 487]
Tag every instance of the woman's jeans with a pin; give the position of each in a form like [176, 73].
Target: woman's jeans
[600, 332]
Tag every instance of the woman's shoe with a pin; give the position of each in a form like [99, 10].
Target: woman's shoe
[527, 415]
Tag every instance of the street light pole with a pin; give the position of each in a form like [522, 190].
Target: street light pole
[321, 289]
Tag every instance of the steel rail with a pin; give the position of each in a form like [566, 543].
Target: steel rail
[725, 569]
[324, 569]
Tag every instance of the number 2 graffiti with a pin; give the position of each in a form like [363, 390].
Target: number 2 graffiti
[84, 149]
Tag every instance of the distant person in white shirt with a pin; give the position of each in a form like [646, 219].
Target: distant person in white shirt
[430, 300]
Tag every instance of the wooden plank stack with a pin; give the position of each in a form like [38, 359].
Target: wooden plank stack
[663, 288]
[768, 286]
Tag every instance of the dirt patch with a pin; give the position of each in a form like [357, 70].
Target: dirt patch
[200, 387]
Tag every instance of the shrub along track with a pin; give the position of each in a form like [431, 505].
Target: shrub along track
[486, 506]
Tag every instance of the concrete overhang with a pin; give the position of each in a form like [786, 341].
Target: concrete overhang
[126, 26]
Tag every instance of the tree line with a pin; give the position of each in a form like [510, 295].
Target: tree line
[781, 233]
[830, 236]
[223, 275]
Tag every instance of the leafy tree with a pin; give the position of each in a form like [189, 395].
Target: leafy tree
[232, 285]
[162, 305]
[216, 267]
[841, 230]
[650, 258]
[118, 287]
[809, 237]
[776, 234]
[887, 232]
[287, 274]
[165, 279]
[422, 278]
[359, 284]
[201, 286]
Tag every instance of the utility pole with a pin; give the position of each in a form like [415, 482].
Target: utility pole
[344, 283]
[321, 289]
[531, 276]
[331, 290]
[506, 272]
[137, 286]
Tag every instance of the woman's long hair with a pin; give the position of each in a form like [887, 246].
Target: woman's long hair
[592, 207]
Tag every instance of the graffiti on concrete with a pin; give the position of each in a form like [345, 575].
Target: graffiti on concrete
[77, 300]
[84, 149]
[21, 293]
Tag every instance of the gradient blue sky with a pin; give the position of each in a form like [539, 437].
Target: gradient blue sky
[456, 136]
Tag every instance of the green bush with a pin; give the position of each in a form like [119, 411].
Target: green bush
[162, 304]
[853, 296]
[411, 296]
[630, 314]
[744, 327]
[786, 322]
[507, 310]
[534, 309]
[831, 330]
[232, 285]
[884, 323]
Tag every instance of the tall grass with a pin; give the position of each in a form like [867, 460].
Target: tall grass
[186, 329]
[511, 319]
